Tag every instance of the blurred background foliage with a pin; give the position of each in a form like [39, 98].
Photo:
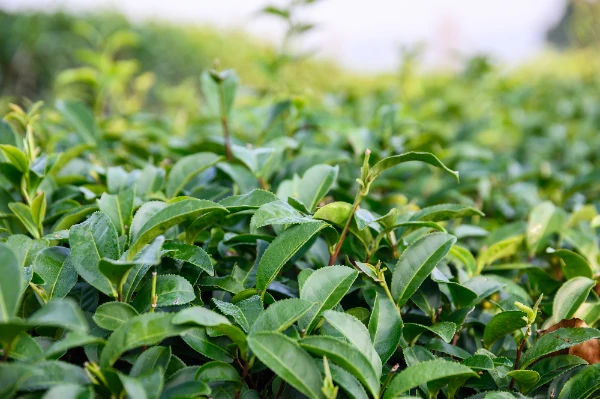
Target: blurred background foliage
[518, 135]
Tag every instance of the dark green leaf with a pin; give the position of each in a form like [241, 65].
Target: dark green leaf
[417, 262]
[189, 253]
[326, 287]
[570, 296]
[346, 356]
[503, 323]
[111, 315]
[554, 341]
[282, 249]
[186, 168]
[174, 213]
[54, 266]
[288, 360]
[10, 284]
[423, 373]
[392, 161]
[145, 329]
[583, 384]
[281, 315]
[443, 212]
[90, 241]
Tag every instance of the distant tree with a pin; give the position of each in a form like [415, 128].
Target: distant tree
[579, 25]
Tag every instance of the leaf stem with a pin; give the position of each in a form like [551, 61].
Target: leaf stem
[362, 192]
[153, 296]
[383, 284]
[518, 359]
[280, 390]
[246, 368]
[338, 246]
[388, 378]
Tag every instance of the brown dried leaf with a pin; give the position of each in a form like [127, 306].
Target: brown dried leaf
[588, 351]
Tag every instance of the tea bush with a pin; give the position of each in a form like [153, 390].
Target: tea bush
[287, 245]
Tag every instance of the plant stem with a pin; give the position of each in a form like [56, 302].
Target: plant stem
[153, 297]
[455, 339]
[338, 246]
[224, 122]
[246, 368]
[383, 284]
[389, 377]
[280, 390]
[518, 359]
[262, 183]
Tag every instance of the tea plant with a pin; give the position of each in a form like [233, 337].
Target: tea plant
[267, 248]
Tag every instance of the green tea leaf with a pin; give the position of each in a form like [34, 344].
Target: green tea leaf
[55, 267]
[119, 208]
[212, 93]
[385, 327]
[81, 118]
[574, 265]
[315, 184]
[170, 289]
[503, 323]
[288, 360]
[24, 214]
[234, 311]
[423, 373]
[16, 157]
[90, 241]
[189, 253]
[498, 250]
[555, 341]
[145, 329]
[10, 284]
[151, 359]
[326, 287]
[354, 332]
[217, 371]
[199, 341]
[417, 262]
[69, 391]
[281, 315]
[186, 168]
[200, 316]
[337, 213]
[583, 384]
[253, 200]
[551, 367]
[544, 220]
[51, 373]
[445, 330]
[282, 249]
[346, 381]
[570, 296]
[165, 218]
[73, 339]
[111, 315]
[277, 213]
[437, 213]
[346, 356]
[527, 379]
[394, 160]
[64, 313]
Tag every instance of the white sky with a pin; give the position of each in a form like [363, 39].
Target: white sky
[363, 34]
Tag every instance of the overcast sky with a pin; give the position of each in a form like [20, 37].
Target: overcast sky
[364, 34]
